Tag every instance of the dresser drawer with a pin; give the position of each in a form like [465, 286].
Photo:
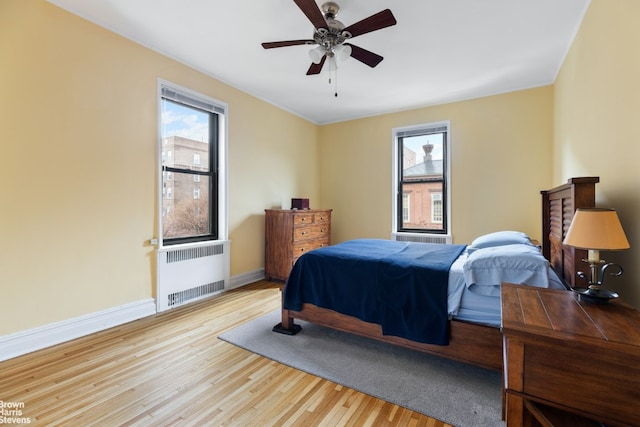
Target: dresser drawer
[322, 218]
[300, 248]
[303, 219]
[310, 232]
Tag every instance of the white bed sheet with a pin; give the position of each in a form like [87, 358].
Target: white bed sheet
[472, 307]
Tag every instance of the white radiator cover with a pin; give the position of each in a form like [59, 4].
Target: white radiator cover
[190, 272]
[421, 237]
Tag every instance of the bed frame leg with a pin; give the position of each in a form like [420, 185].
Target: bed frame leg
[287, 326]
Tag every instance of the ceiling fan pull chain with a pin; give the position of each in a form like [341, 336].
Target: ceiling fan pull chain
[335, 81]
[333, 69]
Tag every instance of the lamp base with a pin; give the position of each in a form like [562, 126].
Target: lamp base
[595, 295]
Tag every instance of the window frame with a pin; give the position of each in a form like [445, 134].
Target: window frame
[217, 161]
[397, 170]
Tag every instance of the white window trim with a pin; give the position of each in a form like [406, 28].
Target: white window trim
[222, 109]
[394, 162]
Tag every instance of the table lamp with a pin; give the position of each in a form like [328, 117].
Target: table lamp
[596, 230]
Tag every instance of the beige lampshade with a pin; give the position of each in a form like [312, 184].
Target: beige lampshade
[598, 229]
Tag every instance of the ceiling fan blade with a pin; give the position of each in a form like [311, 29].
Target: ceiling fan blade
[316, 68]
[310, 9]
[369, 58]
[375, 22]
[285, 43]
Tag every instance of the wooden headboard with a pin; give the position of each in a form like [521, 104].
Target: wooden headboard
[558, 207]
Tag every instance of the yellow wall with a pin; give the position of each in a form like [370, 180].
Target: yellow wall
[597, 107]
[78, 116]
[500, 146]
[78, 121]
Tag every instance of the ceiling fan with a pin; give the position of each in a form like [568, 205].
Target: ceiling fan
[331, 35]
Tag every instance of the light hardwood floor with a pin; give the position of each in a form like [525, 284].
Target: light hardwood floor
[171, 369]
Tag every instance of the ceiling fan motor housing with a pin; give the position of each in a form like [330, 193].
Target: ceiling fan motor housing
[333, 35]
[330, 9]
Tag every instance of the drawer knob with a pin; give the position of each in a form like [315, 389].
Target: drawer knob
[322, 230]
[303, 233]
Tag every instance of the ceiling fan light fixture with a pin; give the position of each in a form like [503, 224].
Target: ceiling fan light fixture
[343, 52]
[316, 54]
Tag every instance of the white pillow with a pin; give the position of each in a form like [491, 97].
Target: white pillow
[499, 238]
[485, 269]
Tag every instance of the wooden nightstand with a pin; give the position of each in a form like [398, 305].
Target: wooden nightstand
[567, 362]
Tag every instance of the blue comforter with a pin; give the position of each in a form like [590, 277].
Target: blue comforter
[401, 286]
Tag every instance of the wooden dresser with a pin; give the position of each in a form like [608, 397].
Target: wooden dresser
[569, 362]
[289, 234]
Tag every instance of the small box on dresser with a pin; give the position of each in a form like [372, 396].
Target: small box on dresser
[291, 233]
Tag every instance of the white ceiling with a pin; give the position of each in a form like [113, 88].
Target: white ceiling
[439, 51]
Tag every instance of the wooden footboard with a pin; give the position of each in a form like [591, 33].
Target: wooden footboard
[469, 343]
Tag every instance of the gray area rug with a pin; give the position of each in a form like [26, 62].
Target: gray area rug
[456, 393]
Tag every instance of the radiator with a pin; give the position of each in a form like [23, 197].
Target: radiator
[187, 273]
[423, 238]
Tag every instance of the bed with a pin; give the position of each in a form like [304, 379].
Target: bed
[468, 330]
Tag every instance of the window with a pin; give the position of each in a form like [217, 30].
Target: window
[421, 179]
[192, 147]
[406, 208]
[436, 207]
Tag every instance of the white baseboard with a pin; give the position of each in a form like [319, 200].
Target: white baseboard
[24, 342]
[19, 343]
[246, 278]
